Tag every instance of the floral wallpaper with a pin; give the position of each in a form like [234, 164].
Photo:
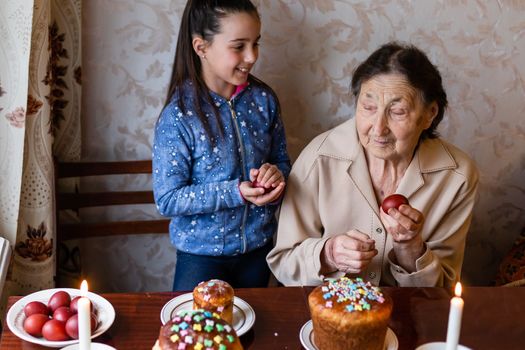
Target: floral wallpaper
[308, 51]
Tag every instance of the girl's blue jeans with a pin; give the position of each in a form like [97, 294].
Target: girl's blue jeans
[248, 270]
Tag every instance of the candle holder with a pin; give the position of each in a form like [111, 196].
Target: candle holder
[439, 346]
[94, 346]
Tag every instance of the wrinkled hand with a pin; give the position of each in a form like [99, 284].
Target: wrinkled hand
[405, 225]
[268, 176]
[349, 252]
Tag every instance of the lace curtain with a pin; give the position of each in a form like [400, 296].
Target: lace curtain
[40, 76]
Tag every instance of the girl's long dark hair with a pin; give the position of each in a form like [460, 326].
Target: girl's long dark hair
[202, 18]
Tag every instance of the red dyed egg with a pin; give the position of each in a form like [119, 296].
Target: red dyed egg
[74, 305]
[33, 324]
[60, 298]
[62, 314]
[55, 330]
[256, 184]
[72, 325]
[35, 307]
[393, 201]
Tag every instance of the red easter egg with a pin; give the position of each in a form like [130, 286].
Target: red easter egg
[33, 324]
[35, 307]
[58, 299]
[393, 201]
[256, 184]
[55, 330]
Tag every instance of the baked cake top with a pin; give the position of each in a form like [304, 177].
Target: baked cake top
[355, 294]
[199, 329]
[214, 287]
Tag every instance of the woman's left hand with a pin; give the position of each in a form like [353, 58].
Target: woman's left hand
[405, 225]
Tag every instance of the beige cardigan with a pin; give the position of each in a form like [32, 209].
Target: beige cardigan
[329, 192]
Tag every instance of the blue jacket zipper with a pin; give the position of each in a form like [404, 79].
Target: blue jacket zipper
[244, 177]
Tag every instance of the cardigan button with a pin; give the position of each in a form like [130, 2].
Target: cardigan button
[379, 230]
[372, 275]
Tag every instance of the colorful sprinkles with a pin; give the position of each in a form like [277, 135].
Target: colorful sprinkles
[355, 292]
[213, 287]
[199, 320]
[218, 286]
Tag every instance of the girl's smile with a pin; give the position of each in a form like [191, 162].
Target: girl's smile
[228, 59]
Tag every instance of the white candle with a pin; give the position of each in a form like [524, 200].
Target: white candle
[454, 319]
[84, 319]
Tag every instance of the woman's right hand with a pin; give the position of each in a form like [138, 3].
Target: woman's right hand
[349, 252]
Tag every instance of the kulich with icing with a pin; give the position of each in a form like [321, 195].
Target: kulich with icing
[215, 296]
[349, 314]
[197, 330]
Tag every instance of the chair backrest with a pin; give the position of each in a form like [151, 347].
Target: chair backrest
[84, 199]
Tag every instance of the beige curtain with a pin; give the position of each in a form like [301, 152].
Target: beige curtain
[39, 119]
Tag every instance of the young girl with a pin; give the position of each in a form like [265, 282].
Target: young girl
[219, 154]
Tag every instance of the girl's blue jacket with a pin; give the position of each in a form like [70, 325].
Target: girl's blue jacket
[196, 176]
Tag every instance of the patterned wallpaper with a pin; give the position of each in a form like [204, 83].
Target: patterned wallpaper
[308, 51]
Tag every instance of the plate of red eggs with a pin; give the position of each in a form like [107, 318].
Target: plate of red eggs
[49, 317]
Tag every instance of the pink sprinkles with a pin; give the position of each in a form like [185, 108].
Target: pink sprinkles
[357, 293]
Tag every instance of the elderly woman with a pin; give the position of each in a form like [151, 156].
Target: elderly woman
[331, 223]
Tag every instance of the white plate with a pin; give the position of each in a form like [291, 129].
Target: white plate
[94, 346]
[15, 316]
[306, 335]
[243, 313]
[439, 346]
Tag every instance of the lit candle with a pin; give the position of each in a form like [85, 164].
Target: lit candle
[84, 318]
[454, 319]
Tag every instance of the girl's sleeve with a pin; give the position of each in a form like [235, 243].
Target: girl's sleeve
[172, 163]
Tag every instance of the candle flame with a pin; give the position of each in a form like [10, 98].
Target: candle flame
[84, 288]
[458, 289]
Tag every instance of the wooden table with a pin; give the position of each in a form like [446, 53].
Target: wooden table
[493, 318]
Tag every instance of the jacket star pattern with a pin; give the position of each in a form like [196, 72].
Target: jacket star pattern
[196, 173]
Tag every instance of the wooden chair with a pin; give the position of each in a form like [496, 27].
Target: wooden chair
[80, 198]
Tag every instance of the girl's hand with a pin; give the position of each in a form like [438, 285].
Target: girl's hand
[270, 181]
[267, 176]
[350, 252]
[405, 225]
[257, 195]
